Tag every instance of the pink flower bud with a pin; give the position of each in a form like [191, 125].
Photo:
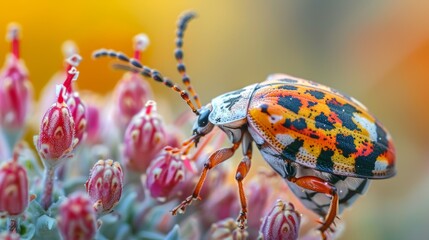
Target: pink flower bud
[132, 91]
[282, 222]
[164, 174]
[78, 111]
[57, 130]
[145, 137]
[15, 89]
[93, 123]
[77, 220]
[13, 188]
[104, 185]
[227, 229]
[130, 96]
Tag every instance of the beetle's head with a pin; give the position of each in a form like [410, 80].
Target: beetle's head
[202, 125]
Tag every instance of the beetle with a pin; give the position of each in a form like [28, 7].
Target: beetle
[324, 143]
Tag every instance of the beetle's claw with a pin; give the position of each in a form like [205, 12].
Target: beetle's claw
[242, 220]
[182, 206]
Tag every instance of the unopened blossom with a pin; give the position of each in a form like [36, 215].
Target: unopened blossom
[57, 130]
[227, 229]
[14, 196]
[132, 91]
[56, 133]
[78, 111]
[93, 118]
[164, 175]
[282, 222]
[73, 100]
[144, 138]
[77, 219]
[104, 185]
[15, 91]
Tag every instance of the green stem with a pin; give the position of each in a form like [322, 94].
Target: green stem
[48, 186]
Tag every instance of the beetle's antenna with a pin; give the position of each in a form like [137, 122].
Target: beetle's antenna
[145, 71]
[178, 53]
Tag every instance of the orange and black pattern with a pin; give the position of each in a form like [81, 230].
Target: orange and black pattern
[321, 128]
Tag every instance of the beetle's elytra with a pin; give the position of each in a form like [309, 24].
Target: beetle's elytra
[324, 143]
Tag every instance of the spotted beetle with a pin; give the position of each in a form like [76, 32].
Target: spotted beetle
[324, 143]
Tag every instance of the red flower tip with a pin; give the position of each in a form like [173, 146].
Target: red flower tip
[141, 41]
[13, 37]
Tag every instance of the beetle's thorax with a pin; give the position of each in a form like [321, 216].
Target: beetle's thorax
[230, 109]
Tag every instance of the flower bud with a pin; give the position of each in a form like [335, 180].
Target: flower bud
[93, 119]
[164, 174]
[73, 101]
[132, 91]
[57, 132]
[78, 111]
[104, 185]
[15, 91]
[145, 137]
[77, 220]
[130, 94]
[282, 222]
[227, 229]
[13, 187]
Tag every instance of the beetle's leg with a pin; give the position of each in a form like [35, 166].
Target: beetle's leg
[242, 170]
[214, 159]
[319, 185]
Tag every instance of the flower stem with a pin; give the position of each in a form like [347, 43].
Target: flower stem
[12, 224]
[48, 186]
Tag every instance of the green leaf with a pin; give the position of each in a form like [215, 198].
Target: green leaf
[46, 228]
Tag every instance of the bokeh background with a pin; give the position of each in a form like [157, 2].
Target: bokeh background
[376, 51]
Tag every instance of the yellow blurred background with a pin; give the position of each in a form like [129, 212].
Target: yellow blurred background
[376, 51]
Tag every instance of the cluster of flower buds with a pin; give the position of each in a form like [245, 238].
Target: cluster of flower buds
[15, 91]
[144, 138]
[77, 219]
[282, 222]
[132, 91]
[14, 195]
[164, 175]
[104, 185]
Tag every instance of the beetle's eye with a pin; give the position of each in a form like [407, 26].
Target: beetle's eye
[203, 119]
